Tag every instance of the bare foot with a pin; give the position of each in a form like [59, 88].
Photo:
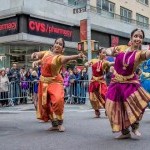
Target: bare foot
[105, 113]
[136, 132]
[97, 114]
[53, 128]
[61, 128]
[122, 136]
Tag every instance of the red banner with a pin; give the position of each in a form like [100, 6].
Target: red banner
[83, 29]
[114, 41]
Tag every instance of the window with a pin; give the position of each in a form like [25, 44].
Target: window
[77, 2]
[142, 20]
[106, 5]
[143, 1]
[111, 7]
[125, 14]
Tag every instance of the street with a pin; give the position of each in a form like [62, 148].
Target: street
[20, 130]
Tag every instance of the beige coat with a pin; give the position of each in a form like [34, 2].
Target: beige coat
[4, 82]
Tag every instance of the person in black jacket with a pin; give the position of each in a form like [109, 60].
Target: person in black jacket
[14, 78]
[83, 84]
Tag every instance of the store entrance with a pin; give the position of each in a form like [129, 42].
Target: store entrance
[19, 54]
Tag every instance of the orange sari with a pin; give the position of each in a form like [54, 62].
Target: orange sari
[50, 90]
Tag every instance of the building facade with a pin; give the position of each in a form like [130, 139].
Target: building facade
[28, 26]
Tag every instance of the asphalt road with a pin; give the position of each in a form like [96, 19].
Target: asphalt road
[20, 130]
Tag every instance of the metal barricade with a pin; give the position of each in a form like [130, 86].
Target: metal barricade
[77, 92]
[14, 93]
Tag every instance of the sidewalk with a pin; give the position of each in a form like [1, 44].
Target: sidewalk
[20, 107]
[30, 107]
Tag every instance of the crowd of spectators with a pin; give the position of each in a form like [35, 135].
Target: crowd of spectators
[75, 84]
[16, 85]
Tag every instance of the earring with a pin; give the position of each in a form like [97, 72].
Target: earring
[130, 43]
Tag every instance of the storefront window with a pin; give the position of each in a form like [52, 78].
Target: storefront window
[21, 55]
[45, 47]
[4, 57]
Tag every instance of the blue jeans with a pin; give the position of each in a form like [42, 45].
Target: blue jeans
[14, 92]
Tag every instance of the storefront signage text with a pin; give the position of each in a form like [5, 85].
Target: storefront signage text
[49, 29]
[8, 26]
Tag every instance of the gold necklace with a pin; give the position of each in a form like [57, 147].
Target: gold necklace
[125, 65]
[99, 66]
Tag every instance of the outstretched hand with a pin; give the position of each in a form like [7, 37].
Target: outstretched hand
[116, 51]
[88, 64]
[34, 55]
[34, 64]
[81, 55]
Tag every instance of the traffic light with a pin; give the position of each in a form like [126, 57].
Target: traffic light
[94, 45]
[82, 46]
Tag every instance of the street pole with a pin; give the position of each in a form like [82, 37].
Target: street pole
[89, 38]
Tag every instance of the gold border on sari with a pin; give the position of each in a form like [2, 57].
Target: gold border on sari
[133, 110]
[124, 79]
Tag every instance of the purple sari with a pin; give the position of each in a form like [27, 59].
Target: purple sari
[125, 98]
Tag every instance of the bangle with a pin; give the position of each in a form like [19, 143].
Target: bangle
[79, 56]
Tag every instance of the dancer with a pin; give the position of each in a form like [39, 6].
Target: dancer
[50, 88]
[145, 76]
[126, 100]
[98, 87]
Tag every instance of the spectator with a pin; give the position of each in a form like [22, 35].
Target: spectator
[35, 88]
[76, 85]
[4, 82]
[83, 84]
[66, 83]
[24, 85]
[29, 79]
[72, 85]
[14, 78]
[109, 75]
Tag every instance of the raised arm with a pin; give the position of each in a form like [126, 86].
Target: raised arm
[112, 51]
[107, 65]
[36, 63]
[147, 54]
[144, 55]
[111, 64]
[88, 64]
[65, 59]
[38, 55]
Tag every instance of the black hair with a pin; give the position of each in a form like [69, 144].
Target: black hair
[137, 70]
[137, 30]
[100, 50]
[62, 41]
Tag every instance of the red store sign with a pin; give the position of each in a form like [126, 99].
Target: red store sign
[49, 29]
[114, 40]
[8, 26]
